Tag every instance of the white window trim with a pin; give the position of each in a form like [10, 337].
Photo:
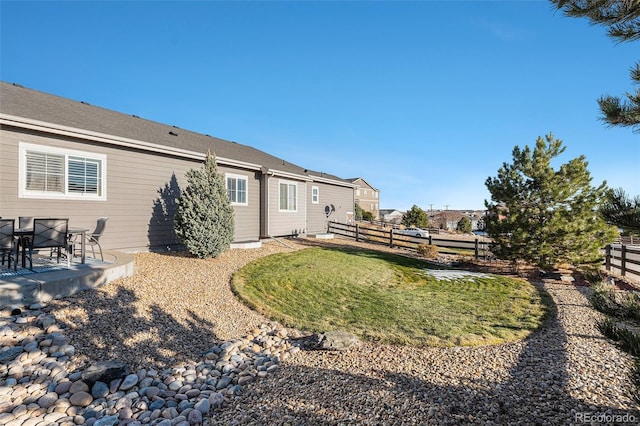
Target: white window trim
[317, 194]
[289, 183]
[23, 147]
[238, 177]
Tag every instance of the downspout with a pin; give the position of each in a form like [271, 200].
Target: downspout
[265, 177]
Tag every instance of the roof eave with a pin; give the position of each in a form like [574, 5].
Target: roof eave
[27, 123]
[333, 182]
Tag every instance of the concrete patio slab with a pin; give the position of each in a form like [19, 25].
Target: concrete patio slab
[24, 290]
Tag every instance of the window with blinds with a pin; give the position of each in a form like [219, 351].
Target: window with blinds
[288, 196]
[48, 172]
[84, 176]
[45, 172]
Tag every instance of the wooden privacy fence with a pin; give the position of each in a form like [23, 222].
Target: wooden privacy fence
[623, 259]
[480, 247]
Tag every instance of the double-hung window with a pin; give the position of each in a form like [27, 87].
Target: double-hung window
[288, 196]
[237, 189]
[315, 195]
[49, 172]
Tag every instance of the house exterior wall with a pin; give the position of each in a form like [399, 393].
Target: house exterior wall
[279, 222]
[339, 196]
[141, 189]
[367, 198]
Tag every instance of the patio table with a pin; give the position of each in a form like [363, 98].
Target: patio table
[23, 235]
[82, 233]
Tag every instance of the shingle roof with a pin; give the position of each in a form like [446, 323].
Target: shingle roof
[27, 103]
[353, 180]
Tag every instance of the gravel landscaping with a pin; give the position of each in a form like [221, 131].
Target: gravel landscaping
[176, 320]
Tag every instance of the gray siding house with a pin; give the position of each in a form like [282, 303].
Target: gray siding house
[63, 158]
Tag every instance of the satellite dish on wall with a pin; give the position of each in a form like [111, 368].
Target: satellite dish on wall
[329, 209]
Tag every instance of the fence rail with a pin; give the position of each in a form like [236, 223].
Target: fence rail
[384, 224]
[620, 258]
[629, 240]
[480, 247]
[623, 259]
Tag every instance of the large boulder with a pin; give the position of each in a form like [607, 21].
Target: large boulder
[104, 371]
[331, 341]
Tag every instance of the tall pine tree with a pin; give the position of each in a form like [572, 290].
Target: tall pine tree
[622, 18]
[545, 216]
[204, 216]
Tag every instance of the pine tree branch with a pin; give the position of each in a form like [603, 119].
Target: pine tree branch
[621, 16]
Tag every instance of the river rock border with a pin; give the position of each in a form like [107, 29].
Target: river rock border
[37, 388]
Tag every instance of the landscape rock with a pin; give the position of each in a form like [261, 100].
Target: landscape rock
[334, 341]
[104, 371]
[129, 381]
[99, 390]
[10, 354]
[81, 399]
[79, 386]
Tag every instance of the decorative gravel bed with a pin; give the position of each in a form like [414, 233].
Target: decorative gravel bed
[165, 319]
[565, 373]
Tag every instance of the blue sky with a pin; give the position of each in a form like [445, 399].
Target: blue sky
[424, 99]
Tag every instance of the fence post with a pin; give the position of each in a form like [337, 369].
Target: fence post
[475, 249]
[430, 242]
[623, 259]
[607, 259]
[357, 232]
[391, 238]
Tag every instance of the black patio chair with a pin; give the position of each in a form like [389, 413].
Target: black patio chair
[8, 248]
[49, 233]
[25, 222]
[93, 239]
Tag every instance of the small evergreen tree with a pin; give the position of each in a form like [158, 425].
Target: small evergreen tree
[204, 216]
[416, 217]
[464, 225]
[545, 216]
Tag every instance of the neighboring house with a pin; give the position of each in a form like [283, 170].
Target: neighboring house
[367, 197]
[445, 219]
[62, 158]
[477, 220]
[391, 216]
[448, 219]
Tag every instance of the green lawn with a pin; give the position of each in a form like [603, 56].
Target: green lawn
[388, 298]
